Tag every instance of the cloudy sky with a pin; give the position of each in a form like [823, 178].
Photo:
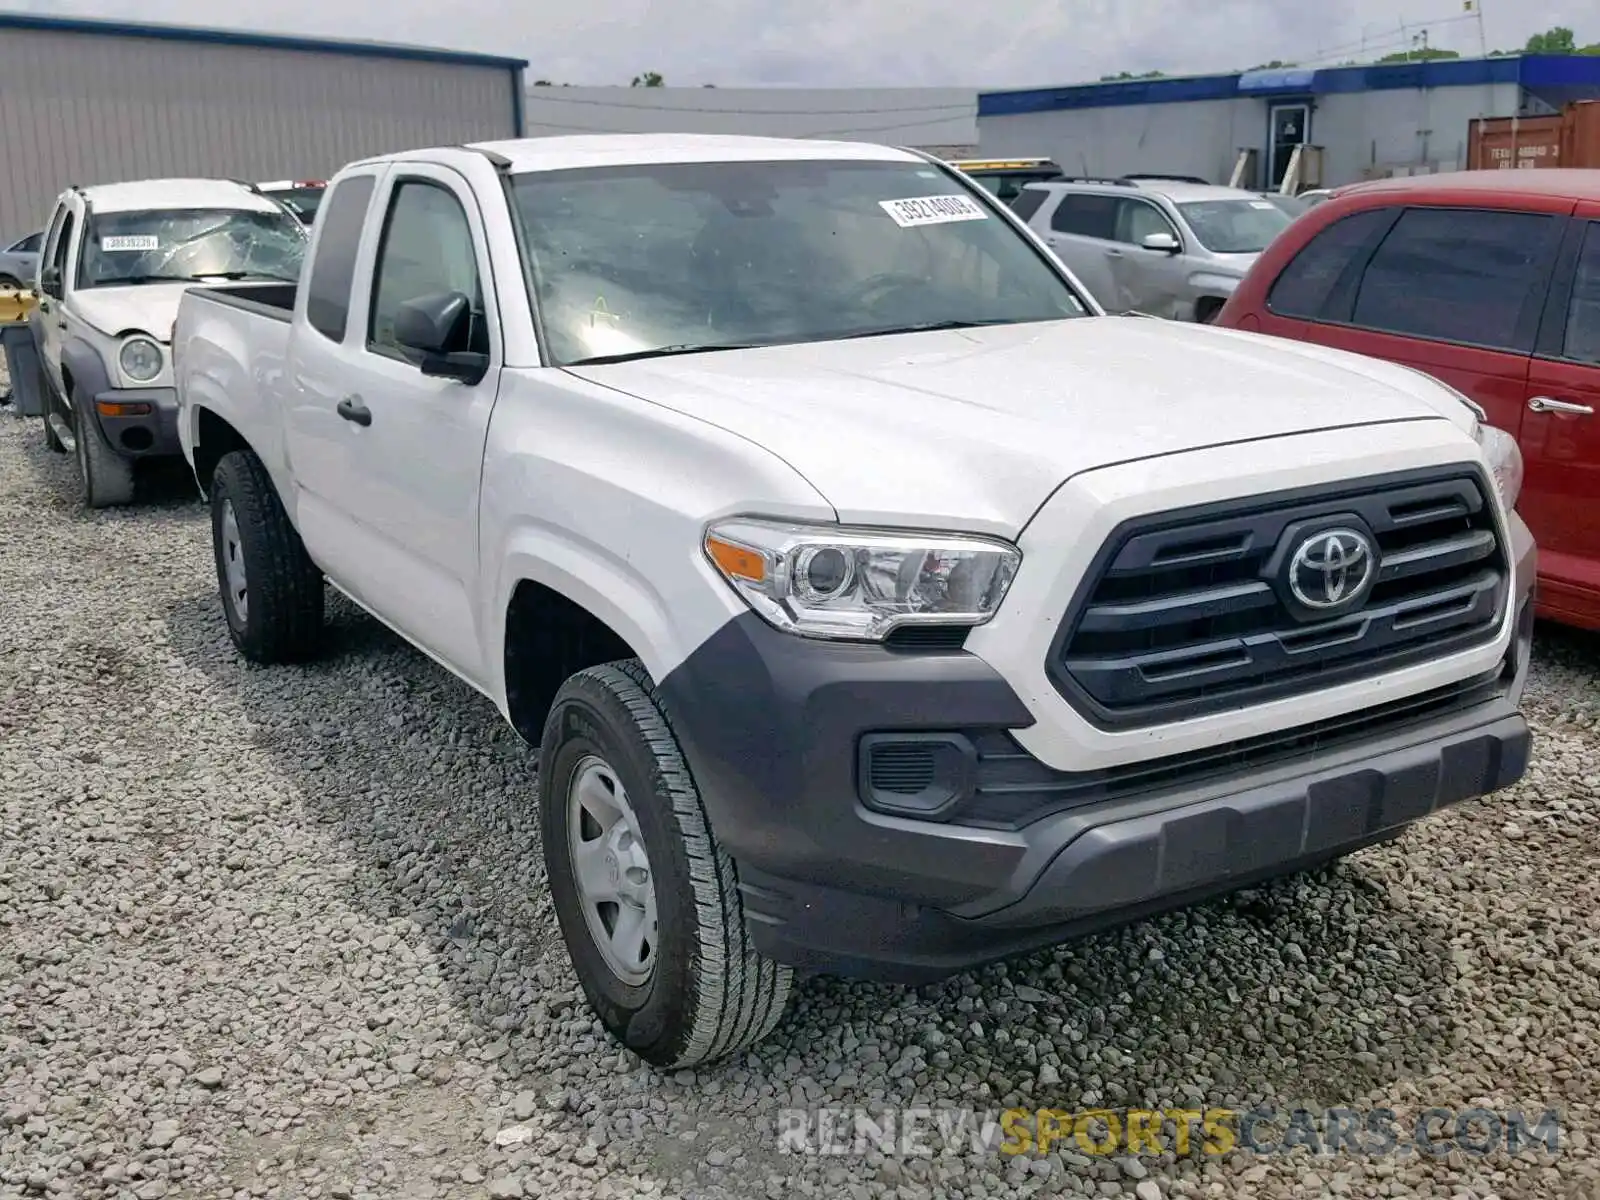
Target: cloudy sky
[985, 43]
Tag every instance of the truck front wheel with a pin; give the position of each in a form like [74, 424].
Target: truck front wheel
[648, 902]
[272, 593]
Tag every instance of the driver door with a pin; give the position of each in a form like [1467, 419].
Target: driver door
[412, 445]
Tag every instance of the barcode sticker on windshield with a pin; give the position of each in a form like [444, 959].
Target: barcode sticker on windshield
[131, 241]
[1262, 204]
[932, 210]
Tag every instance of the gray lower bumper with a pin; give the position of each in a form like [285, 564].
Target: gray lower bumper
[142, 422]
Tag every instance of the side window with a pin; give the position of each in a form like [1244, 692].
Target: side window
[1027, 202]
[1583, 312]
[1458, 275]
[58, 252]
[1304, 285]
[1086, 215]
[427, 248]
[334, 268]
[29, 244]
[1138, 219]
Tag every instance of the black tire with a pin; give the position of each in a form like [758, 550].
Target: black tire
[10, 281]
[105, 477]
[1206, 309]
[709, 993]
[281, 619]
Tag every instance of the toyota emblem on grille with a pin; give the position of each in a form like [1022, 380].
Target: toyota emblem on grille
[1331, 569]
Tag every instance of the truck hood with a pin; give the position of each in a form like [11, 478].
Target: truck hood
[148, 307]
[973, 429]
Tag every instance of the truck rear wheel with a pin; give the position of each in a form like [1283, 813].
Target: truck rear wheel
[648, 902]
[106, 477]
[272, 593]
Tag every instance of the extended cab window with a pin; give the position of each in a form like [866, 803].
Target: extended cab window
[333, 270]
[1086, 216]
[1458, 275]
[663, 258]
[1305, 284]
[427, 249]
[183, 245]
[1583, 313]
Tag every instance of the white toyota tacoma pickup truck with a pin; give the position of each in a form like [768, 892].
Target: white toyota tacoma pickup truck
[878, 605]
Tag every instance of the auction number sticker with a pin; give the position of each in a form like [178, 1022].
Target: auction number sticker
[932, 210]
[130, 241]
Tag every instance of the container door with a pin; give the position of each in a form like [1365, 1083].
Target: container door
[1560, 434]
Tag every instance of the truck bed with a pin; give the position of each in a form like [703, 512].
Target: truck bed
[272, 300]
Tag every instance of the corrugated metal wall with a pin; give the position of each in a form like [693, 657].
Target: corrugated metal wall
[90, 108]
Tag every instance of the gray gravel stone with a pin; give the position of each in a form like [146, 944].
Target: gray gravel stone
[284, 933]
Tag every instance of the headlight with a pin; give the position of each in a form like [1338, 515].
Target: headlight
[1505, 462]
[858, 584]
[140, 359]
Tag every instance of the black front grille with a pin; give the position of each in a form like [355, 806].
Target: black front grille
[1191, 612]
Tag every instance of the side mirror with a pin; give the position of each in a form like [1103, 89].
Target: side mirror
[1163, 242]
[50, 280]
[438, 327]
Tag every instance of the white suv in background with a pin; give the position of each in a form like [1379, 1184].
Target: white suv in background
[116, 259]
[1169, 248]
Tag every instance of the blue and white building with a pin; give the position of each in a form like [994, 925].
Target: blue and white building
[1369, 121]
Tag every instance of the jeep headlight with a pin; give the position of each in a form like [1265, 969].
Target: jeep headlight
[140, 359]
[859, 584]
[1505, 462]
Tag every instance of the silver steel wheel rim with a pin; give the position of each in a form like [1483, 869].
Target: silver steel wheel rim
[611, 871]
[233, 563]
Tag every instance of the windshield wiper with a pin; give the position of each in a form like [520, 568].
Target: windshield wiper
[921, 327]
[236, 275]
[121, 280]
[665, 352]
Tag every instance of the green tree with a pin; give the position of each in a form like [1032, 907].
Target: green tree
[648, 79]
[1121, 75]
[1421, 54]
[1274, 65]
[1552, 41]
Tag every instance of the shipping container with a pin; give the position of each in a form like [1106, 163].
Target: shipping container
[1570, 138]
[99, 102]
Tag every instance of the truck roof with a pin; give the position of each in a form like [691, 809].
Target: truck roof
[621, 149]
[1576, 183]
[175, 193]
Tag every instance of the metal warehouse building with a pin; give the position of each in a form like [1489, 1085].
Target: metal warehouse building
[96, 102]
[1368, 121]
[940, 120]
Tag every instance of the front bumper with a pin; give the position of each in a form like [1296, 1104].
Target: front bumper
[139, 422]
[1018, 856]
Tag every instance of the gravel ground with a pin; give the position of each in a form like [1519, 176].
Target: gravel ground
[283, 933]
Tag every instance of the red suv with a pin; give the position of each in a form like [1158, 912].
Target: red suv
[1490, 281]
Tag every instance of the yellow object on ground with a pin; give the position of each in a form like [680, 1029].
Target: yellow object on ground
[15, 305]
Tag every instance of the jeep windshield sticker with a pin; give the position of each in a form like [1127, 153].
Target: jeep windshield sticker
[1261, 204]
[932, 210]
[131, 241]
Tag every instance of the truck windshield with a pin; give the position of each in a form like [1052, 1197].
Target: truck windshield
[185, 245]
[1235, 226]
[670, 258]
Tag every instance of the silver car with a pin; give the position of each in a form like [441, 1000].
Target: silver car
[1159, 246]
[19, 262]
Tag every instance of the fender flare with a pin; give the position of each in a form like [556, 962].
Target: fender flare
[88, 371]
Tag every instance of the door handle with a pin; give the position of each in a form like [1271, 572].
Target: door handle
[1113, 253]
[1544, 404]
[351, 409]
